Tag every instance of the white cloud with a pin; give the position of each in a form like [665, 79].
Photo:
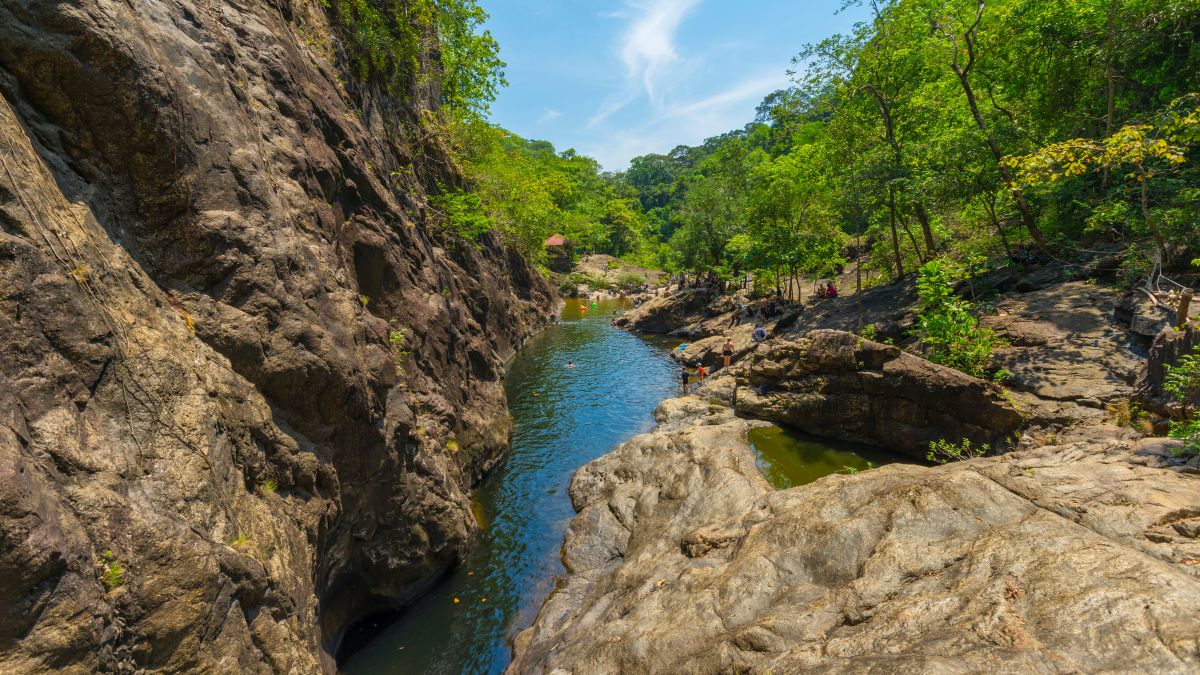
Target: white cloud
[689, 121]
[648, 51]
[548, 117]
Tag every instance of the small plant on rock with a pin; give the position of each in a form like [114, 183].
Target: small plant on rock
[397, 343]
[114, 571]
[943, 451]
[269, 486]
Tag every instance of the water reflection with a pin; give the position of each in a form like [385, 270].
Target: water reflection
[563, 418]
[789, 458]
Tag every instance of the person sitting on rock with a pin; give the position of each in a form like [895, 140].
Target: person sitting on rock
[831, 291]
[759, 334]
[821, 292]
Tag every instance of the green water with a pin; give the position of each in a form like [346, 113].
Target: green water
[790, 458]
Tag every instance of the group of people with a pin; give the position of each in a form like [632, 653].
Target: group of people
[828, 291]
[761, 310]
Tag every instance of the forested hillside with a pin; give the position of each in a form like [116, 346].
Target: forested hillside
[977, 129]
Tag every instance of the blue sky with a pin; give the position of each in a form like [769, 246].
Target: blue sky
[615, 79]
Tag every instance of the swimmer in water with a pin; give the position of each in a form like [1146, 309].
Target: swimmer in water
[570, 364]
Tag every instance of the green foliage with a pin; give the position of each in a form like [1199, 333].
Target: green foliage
[386, 40]
[896, 132]
[944, 452]
[945, 325]
[463, 213]
[113, 571]
[269, 486]
[397, 347]
[1182, 382]
[527, 191]
[630, 282]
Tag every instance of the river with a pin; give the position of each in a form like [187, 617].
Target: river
[575, 392]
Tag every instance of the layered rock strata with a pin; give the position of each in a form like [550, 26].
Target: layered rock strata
[1078, 557]
[840, 385]
[245, 382]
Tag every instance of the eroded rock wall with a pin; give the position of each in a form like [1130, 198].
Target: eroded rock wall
[237, 362]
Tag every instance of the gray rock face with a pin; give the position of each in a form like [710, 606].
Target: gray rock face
[234, 350]
[1071, 558]
[837, 384]
[1067, 358]
[662, 315]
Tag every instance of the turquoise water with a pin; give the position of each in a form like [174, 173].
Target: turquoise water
[563, 418]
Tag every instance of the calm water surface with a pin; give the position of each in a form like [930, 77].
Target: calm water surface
[563, 418]
[790, 458]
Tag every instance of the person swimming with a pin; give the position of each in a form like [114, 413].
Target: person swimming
[570, 364]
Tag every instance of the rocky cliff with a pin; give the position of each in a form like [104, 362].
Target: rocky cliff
[245, 383]
[1079, 556]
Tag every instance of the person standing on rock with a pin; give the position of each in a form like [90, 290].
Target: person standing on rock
[727, 351]
[686, 377]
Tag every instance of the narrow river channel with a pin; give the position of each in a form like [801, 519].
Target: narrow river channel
[563, 417]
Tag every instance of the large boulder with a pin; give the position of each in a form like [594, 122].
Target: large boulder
[1071, 558]
[667, 313]
[707, 351]
[840, 385]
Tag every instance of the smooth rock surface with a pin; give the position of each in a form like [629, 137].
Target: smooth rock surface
[1072, 558]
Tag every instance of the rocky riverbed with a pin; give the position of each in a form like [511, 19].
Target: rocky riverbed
[1076, 551]
[1079, 556]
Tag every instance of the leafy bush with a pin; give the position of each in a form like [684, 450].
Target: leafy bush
[630, 282]
[1182, 382]
[944, 452]
[945, 324]
[385, 39]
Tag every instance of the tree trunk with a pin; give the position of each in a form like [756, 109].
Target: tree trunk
[907, 230]
[989, 205]
[1150, 222]
[895, 234]
[923, 219]
[1110, 82]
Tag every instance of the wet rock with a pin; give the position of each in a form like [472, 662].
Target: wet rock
[1065, 558]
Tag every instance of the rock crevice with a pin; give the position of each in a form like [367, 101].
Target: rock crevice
[246, 380]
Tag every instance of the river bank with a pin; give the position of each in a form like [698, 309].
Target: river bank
[1077, 556]
[1076, 550]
